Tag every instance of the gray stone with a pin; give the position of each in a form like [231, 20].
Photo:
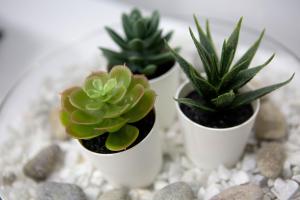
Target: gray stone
[270, 123]
[175, 191]
[116, 194]
[59, 191]
[43, 163]
[270, 159]
[8, 178]
[241, 192]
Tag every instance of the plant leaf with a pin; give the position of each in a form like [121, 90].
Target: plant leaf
[250, 52]
[65, 100]
[80, 117]
[244, 76]
[160, 58]
[127, 26]
[248, 97]
[80, 131]
[195, 104]
[224, 100]
[136, 44]
[117, 38]
[205, 40]
[139, 28]
[142, 108]
[122, 74]
[122, 139]
[111, 125]
[153, 23]
[79, 99]
[229, 49]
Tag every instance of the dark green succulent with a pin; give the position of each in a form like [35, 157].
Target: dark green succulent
[142, 48]
[220, 87]
[107, 103]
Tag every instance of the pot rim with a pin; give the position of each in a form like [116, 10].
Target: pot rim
[128, 150]
[168, 73]
[253, 116]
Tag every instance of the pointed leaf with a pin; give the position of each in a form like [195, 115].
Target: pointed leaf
[244, 76]
[248, 97]
[168, 36]
[117, 38]
[205, 42]
[195, 104]
[136, 44]
[224, 100]
[153, 23]
[127, 26]
[160, 58]
[250, 52]
[149, 70]
[229, 49]
[122, 139]
[139, 28]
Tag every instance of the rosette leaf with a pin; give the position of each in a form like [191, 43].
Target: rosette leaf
[107, 103]
[142, 47]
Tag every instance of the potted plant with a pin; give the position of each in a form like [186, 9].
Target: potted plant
[143, 50]
[217, 109]
[113, 118]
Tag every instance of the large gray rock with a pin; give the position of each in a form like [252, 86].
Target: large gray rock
[270, 122]
[175, 191]
[42, 165]
[241, 192]
[270, 159]
[59, 191]
[117, 194]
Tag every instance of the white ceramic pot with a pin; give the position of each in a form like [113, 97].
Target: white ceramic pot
[135, 167]
[210, 147]
[165, 87]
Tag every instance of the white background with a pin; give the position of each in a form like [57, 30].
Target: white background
[35, 27]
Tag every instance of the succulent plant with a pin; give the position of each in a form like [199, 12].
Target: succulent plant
[142, 49]
[221, 84]
[107, 103]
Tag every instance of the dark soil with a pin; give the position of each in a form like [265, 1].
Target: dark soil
[223, 119]
[162, 69]
[98, 144]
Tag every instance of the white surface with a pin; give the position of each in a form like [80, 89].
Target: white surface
[209, 148]
[165, 87]
[33, 28]
[135, 167]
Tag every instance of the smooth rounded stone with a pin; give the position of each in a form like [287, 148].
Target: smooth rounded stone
[270, 123]
[43, 163]
[241, 192]
[59, 191]
[116, 194]
[58, 130]
[285, 190]
[8, 178]
[270, 159]
[175, 191]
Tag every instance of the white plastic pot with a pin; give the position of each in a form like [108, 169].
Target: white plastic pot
[210, 147]
[135, 167]
[165, 87]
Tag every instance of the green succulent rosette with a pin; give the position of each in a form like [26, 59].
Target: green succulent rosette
[142, 48]
[220, 88]
[107, 103]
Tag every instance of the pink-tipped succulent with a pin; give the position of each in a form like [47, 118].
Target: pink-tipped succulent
[107, 103]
